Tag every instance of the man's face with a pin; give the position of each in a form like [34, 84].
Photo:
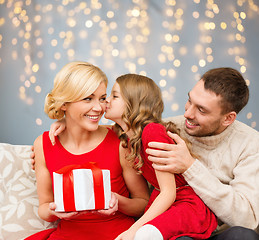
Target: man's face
[203, 112]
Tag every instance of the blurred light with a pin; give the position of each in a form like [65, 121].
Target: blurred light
[194, 68]
[223, 25]
[162, 83]
[88, 23]
[110, 14]
[38, 89]
[175, 107]
[243, 69]
[35, 68]
[38, 121]
[163, 72]
[195, 14]
[249, 115]
[202, 63]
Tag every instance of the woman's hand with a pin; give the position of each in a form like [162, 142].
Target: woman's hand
[113, 206]
[62, 215]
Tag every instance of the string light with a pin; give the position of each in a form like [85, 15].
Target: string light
[33, 27]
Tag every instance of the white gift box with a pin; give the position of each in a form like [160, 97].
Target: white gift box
[82, 192]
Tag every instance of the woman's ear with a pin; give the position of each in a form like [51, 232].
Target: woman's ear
[64, 107]
[229, 118]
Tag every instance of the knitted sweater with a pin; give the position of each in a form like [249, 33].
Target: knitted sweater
[226, 174]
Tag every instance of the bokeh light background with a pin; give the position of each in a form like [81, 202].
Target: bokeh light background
[171, 41]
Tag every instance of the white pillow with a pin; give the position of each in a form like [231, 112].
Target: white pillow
[18, 195]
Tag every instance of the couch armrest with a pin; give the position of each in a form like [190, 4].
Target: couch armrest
[18, 195]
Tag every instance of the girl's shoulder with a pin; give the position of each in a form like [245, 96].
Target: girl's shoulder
[151, 127]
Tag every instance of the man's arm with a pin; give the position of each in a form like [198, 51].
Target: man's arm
[234, 201]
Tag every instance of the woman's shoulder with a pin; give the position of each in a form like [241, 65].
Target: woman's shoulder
[38, 141]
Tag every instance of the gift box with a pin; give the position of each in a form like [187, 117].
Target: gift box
[81, 187]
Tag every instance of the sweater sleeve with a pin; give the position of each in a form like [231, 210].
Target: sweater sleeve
[235, 201]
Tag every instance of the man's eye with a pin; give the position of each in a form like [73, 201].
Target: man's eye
[201, 110]
[103, 99]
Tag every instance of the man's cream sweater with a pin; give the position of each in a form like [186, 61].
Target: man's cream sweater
[226, 173]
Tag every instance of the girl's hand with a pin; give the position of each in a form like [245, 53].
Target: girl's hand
[55, 129]
[32, 157]
[127, 235]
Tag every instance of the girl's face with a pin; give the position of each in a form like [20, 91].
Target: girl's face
[87, 113]
[115, 105]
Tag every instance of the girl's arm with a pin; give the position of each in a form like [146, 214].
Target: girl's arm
[44, 187]
[166, 182]
[162, 202]
[137, 186]
[58, 127]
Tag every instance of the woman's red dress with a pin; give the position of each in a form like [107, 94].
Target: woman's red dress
[89, 226]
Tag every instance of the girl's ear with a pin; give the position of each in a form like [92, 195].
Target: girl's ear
[229, 118]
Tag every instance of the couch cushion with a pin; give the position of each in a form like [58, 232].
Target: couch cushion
[18, 195]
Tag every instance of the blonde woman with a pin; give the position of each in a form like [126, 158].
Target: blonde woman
[79, 95]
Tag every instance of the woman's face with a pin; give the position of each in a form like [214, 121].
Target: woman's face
[115, 105]
[87, 112]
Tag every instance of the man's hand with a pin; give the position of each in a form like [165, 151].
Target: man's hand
[174, 158]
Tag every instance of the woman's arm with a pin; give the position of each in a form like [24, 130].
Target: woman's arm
[44, 187]
[137, 186]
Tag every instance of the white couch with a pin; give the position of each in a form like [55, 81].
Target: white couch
[18, 196]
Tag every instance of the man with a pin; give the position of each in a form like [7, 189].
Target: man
[225, 174]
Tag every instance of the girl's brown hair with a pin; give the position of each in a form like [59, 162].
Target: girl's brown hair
[144, 105]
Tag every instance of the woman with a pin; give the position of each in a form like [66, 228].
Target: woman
[79, 95]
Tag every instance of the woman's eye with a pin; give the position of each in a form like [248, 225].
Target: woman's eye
[87, 99]
[103, 99]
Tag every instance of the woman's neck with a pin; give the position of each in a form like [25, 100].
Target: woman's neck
[81, 141]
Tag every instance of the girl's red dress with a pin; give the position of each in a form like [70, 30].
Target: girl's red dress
[188, 215]
[89, 226]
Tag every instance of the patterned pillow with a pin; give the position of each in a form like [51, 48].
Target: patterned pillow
[18, 195]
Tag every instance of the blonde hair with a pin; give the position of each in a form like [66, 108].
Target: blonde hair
[74, 82]
[144, 105]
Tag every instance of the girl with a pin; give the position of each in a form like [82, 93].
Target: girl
[79, 94]
[174, 210]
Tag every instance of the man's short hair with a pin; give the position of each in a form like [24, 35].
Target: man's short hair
[230, 85]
